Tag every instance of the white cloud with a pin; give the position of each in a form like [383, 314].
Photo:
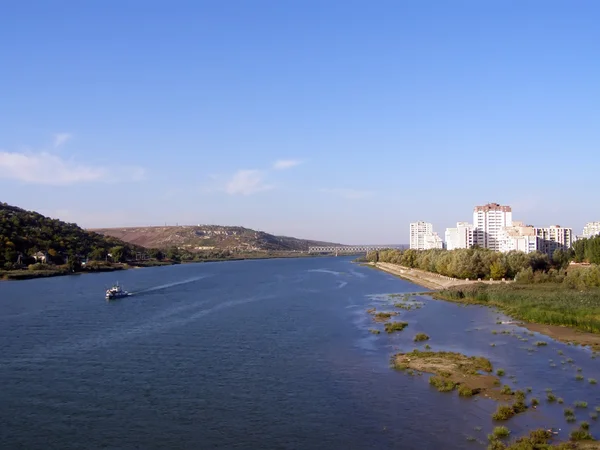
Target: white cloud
[283, 164]
[351, 194]
[48, 169]
[61, 139]
[247, 182]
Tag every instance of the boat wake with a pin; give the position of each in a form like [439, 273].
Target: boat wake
[168, 285]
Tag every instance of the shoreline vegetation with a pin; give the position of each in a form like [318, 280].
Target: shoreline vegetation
[50, 270]
[558, 299]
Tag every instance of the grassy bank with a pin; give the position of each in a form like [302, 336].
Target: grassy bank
[550, 304]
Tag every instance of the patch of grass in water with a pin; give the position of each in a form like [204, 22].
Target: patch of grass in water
[579, 377]
[503, 412]
[506, 390]
[541, 343]
[391, 327]
[419, 337]
[442, 384]
[374, 331]
[382, 316]
[580, 404]
[592, 380]
[500, 372]
[582, 433]
[501, 432]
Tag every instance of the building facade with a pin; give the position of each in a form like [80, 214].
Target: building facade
[488, 221]
[432, 240]
[418, 231]
[554, 238]
[519, 237]
[591, 229]
[459, 237]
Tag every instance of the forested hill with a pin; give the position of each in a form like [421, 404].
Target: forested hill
[24, 233]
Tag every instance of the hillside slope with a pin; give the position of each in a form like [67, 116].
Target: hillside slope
[208, 237]
[24, 233]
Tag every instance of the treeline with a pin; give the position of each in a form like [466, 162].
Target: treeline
[587, 250]
[474, 263]
[24, 233]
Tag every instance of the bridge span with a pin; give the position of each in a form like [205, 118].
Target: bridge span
[349, 248]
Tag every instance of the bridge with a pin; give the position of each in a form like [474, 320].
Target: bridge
[351, 249]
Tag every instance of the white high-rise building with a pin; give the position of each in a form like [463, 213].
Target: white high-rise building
[518, 237]
[591, 229]
[459, 237]
[431, 241]
[488, 221]
[418, 231]
[553, 238]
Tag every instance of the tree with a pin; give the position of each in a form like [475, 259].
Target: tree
[497, 270]
[560, 258]
[173, 254]
[119, 253]
[98, 254]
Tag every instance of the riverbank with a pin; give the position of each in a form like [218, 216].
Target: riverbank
[427, 279]
[560, 312]
[564, 314]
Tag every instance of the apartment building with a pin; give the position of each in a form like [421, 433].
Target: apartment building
[459, 237]
[591, 229]
[488, 221]
[553, 238]
[518, 237]
[432, 240]
[418, 232]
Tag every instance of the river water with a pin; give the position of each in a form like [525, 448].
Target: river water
[271, 354]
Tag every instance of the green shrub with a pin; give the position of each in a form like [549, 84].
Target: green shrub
[500, 432]
[503, 412]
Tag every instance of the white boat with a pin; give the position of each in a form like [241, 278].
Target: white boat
[116, 292]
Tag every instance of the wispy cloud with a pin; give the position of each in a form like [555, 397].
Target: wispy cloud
[48, 169]
[247, 182]
[61, 139]
[351, 194]
[282, 164]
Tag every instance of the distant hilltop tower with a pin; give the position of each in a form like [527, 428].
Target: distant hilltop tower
[488, 221]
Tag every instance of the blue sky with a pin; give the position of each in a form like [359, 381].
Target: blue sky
[333, 120]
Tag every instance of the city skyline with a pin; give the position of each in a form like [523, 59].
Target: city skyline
[301, 119]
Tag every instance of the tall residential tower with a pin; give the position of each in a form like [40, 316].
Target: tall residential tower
[488, 221]
[422, 236]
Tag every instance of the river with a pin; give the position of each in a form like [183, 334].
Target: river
[270, 354]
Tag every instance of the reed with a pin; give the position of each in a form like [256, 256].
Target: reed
[539, 303]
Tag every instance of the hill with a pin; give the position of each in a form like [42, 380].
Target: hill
[208, 237]
[23, 234]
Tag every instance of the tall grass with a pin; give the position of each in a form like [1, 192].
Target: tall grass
[541, 303]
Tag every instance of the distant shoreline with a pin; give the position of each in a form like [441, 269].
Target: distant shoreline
[25, 274]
